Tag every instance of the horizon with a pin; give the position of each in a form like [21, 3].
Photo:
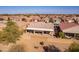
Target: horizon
[39, 9]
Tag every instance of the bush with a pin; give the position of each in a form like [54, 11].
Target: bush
[10, 33]
[50, 20]
[24, 19]
[42, 43]
[61, 35]
[74, 47]
[50, 48]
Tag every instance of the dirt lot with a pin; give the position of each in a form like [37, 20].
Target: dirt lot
[30, 41]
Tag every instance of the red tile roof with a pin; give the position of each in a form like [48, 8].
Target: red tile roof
[67, 25]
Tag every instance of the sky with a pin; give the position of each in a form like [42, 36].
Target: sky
[39, 9]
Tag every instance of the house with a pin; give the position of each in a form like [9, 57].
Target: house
[35, 19]
[40, 27]
[70, 29]
[46, 19]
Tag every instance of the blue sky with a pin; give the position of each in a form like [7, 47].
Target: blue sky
[39, 9]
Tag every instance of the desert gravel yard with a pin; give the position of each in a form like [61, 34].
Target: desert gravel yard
[31, 42]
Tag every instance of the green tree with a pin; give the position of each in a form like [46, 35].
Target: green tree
[10, 33]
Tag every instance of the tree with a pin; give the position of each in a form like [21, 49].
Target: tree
[23, 19]
[10, 33]
[51, 20]
[28, 15]
[74, 47]
[57, 30]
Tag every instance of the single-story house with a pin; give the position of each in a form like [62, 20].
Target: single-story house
[40, 27]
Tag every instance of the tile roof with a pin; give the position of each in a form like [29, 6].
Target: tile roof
[74, 29]
[67, 25]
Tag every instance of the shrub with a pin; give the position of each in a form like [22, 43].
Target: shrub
[51, 48]
[61, 35]
[36, 47]
[42, 43]
[10, 33]
[23, 19]
[74, 47]
[50, 20]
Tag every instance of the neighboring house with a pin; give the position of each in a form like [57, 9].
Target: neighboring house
[40, 27]
[46, 19]
[35, 18]
[70, 29]
[74, 29]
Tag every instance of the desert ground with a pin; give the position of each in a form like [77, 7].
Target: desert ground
[30, 41]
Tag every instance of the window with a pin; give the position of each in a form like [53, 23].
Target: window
[46, 32]
[31, 31]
